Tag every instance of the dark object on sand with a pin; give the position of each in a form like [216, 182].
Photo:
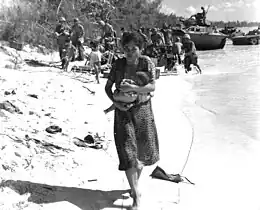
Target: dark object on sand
[8, 106]
[9, 93]
[159, 173]
[46, 145]
[53, 129]
[33, 96]
[35, 63]
[16, 45]
[92, 180]
[82, 143]
[89, 139]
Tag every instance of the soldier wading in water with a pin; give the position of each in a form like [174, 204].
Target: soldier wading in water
[191, 56]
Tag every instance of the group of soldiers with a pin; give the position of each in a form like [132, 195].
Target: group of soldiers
[165, 44]
[158, 42]
[71, 39]
[67, 35]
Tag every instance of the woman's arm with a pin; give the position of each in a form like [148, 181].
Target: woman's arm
[108, 89]
[119, 105]
[150, 87]
[110, 82]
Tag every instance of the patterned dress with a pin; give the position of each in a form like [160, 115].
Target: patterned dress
[135, 132]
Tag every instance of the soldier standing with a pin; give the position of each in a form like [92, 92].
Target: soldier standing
[77, 38]
[62, 33]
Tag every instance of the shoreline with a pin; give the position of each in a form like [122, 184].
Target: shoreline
[89, 178]
[222, 155]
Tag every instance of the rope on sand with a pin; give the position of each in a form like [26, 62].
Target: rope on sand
[192, 141]
[188, 155]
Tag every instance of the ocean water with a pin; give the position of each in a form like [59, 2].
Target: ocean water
[230, 86]
[223, 105]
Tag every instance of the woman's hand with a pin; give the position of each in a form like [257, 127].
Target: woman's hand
[127, 87]
[122, 106]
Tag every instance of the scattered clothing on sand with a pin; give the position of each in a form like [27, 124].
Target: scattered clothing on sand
[53, 129]
[89, 139]
[8, 106]
[10, 92]
[33, 95]
[83, 143]
[159, 173]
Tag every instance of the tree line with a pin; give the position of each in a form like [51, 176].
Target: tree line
[222, 24]
[33, 21]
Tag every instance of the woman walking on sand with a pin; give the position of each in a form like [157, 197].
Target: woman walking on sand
[134, 127]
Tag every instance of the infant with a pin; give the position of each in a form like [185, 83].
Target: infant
[142, 79]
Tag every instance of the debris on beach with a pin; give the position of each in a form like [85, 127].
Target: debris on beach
[10, 92]
[9, 107]
[41, 110]
[91, 91]
[46, 145]
[53, 129]
[89, 139]
[33, 96]
[88, 142]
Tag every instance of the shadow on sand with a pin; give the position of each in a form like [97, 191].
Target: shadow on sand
[85, 199]
[37, 63]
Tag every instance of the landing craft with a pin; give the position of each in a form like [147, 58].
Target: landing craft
[204, 36]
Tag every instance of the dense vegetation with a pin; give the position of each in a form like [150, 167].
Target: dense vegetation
[33, 21]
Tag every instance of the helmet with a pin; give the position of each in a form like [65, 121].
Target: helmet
[62, 19]
[186, 36]
[76, 20]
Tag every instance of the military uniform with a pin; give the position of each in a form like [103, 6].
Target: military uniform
[63, 40]
[77, 38]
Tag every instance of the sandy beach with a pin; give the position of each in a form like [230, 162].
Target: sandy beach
[40, 170]
[51, 171]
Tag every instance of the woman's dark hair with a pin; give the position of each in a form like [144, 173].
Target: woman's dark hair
[132, 37]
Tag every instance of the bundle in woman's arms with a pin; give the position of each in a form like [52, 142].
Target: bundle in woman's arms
[142, 79]
[126, 97]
